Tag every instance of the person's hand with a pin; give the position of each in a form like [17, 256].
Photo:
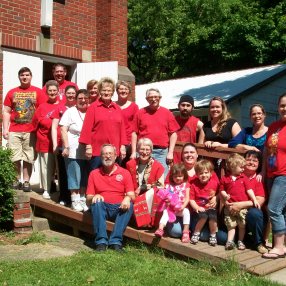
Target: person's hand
[256, 204]
[212, 202]
[55, 149]
[169, 158]
[226, 197]
[133, 155]
[122, 152]
[97, 198]
[200, 210]
[234, 208]
[88, 152]
[5, 134]
[137, 191]
[209, 144]
[259, 178]
[66, 152]
[125, 204]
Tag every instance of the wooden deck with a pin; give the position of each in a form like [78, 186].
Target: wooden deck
[248, 260]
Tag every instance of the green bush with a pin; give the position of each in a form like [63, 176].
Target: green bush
[7, 177]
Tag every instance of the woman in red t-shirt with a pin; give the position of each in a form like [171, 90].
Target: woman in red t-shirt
[129, 109]
[42, 122]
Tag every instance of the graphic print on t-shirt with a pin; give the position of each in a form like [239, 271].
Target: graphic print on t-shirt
[24, 103]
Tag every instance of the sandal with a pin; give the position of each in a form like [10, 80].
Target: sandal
[212, 241]
[195, 238]
[273, 255]
[159, 232]
[186, 236]
[240, 245]
[229, 245]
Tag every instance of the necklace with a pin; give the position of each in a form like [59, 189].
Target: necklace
[79, 113]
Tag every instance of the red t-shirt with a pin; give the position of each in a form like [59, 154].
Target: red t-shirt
[276, 151]
[42, 122]
[187, 133]
[62, 87]
[257, 187]
[236, 189]
[201, 193]
[103, 125]
[23, 103]
[156, 125]
[113, 187]
[129, 115]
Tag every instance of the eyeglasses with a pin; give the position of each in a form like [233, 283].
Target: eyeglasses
[153, 97]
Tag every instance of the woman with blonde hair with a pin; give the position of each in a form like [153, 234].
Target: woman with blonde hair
[221, 128]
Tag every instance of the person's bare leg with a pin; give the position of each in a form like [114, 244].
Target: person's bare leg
[27, 171]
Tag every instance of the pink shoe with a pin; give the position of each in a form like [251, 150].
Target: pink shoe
[186, 237]
[159, 232]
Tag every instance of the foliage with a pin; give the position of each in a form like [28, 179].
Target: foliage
[175, 38]
[139, 265]
[7, 177]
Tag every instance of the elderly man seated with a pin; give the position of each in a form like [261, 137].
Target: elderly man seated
[110, 193]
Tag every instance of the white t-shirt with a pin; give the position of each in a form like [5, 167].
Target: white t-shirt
[73, 120]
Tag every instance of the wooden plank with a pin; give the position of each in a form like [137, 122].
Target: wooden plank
[248, 259]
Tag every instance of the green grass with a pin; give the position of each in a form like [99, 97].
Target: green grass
[139, 265]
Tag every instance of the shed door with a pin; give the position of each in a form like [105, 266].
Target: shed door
[96, 70]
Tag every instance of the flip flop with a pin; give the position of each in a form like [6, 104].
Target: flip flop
[273, 255]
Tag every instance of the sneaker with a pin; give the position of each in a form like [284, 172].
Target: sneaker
[62, 203]
[83, 204]
[159, 232]
[229, 245]
[261, 249]
[26, 186]
[76, 205]
[46, 195]
[116, 247]
[195, 238]
[100, 247]
[212, 240]
[17, 185]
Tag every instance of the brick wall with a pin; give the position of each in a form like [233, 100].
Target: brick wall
[98, 26]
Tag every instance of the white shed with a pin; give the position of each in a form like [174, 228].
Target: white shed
[240, 89]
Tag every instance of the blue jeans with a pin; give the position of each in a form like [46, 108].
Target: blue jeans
[101, 212]
[161, 155]
[94, 163]
[256, 221]
[176, 230]
[277, 203]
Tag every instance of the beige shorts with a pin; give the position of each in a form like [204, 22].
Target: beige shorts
[231, 221]
[23, 146]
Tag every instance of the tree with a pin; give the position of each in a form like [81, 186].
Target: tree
[178, 38]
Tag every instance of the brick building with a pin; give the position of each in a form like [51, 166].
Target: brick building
[80, 34]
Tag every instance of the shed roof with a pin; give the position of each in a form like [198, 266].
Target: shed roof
[226, 85]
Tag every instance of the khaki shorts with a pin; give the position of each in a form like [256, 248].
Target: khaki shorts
[23, 146]
[231, 221]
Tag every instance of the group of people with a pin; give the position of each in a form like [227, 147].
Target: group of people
[120, 162]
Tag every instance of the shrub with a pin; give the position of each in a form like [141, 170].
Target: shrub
[7, 177]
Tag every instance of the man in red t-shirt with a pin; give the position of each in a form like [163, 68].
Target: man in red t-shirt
[159, 125]
[110, 191]
[190, 125]
[19, 107]
[59, 73]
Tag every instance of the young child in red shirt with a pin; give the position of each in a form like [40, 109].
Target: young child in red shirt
[235, 187]
[204, 188]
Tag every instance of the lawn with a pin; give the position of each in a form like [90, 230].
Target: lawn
[138, 265]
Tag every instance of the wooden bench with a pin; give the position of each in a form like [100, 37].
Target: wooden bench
[248, 260]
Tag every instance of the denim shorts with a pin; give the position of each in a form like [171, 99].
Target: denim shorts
[77, 171]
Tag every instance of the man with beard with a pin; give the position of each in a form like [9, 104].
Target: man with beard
[190, 126]
[110, 193]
